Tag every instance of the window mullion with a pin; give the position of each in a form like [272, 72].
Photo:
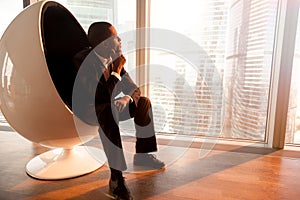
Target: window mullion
[142, 52]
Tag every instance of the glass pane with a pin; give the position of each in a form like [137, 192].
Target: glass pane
[224, 91]
[293, 120]
[9, 9]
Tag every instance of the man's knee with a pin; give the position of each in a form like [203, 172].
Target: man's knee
[144, 102]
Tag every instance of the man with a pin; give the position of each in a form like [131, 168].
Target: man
[101, 78]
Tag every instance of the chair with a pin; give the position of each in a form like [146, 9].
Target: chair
[37, 77]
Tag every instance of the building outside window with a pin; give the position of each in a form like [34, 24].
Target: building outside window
[238, 37]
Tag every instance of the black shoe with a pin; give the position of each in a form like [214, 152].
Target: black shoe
[148, 160]
[119, 190]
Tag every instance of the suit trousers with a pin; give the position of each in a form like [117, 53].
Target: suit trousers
[110, 133]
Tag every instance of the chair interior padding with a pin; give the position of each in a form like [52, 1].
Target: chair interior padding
[62, 38]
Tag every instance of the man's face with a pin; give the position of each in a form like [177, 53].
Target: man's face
[114, 43]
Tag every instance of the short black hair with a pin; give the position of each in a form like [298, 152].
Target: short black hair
[98, 32]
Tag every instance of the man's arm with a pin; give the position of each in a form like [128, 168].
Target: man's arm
[130, 88]
[91, 97]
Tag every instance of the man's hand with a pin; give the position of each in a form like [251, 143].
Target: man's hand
[118, 64]
[122, 102]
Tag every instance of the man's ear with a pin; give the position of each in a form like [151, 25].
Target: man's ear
[105, 43]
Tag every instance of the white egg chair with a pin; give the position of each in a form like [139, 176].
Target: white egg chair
[37, 77]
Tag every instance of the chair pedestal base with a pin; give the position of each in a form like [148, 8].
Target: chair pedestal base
[65, 163]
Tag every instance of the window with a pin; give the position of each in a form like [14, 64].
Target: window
[221, 88]
[9, 10]
[226, 93]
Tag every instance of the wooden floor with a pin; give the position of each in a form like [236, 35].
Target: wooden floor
[227, 172]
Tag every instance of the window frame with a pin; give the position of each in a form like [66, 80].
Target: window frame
[282, 63]
[287, 18]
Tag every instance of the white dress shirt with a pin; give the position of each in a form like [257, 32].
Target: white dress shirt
[106, 62]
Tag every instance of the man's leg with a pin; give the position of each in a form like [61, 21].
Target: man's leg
[112, 144]
[145, 134]
[111, 140]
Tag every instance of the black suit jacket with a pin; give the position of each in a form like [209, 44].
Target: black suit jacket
[92, 94]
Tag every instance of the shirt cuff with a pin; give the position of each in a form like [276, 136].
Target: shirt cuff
[116, 75]
[131, 100]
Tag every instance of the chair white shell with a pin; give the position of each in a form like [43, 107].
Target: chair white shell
[32, 102]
